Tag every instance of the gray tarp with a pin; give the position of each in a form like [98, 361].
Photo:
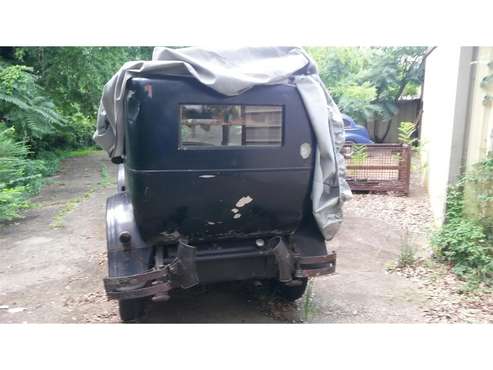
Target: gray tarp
[231, 72]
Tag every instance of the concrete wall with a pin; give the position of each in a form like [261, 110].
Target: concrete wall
[480, 120]
[443, 88]
[457, 123]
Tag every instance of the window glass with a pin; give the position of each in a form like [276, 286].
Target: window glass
[230, 125]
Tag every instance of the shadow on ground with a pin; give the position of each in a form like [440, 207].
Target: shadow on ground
[223, 303]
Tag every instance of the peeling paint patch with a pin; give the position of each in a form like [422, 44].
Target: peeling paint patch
[236, 216]
[210, 223]
[207, 176]
[305, 150]
[244, 201]
[235, 210]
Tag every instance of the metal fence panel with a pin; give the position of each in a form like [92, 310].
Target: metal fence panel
[378, 167]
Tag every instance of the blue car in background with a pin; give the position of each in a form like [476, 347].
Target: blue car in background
[354, 133]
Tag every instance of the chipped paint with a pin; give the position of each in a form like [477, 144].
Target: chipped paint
[207, 176]
[244, 201]
[235, 210]
[305, 150]
[210, 223]
[237, 215]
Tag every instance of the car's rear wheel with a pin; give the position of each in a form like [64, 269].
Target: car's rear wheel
[131, 310]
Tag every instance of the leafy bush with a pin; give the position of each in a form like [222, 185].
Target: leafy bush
[406, 133]
[12, 155]
[25, 106]
[463, 242]
[20, 177]
[466, 240]
[12, 201]
[12, 169]
[79, 131]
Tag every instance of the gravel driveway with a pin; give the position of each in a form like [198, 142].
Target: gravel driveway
[53, 262]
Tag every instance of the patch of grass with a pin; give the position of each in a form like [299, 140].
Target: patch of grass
[57, 222]
[105, 179]
[390, 266]
[308, 304]
[407, 256]
[104, 182]
[84, 152]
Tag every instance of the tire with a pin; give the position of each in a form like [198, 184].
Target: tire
[131, 310]
[290, 293]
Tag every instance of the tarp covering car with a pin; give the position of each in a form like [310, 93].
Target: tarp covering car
[231, 72]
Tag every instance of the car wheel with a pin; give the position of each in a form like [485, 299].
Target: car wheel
[131, 309]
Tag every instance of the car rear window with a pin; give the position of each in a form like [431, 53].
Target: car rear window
[220, 125]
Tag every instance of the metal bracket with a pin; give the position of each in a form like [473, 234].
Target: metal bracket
[182, 272]
[284, 259]
[316, 265]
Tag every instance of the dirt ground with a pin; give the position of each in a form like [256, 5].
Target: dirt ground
[52, 263]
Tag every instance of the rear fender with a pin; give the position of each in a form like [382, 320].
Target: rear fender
[128, 254]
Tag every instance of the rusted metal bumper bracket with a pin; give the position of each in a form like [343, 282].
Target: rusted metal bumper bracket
[316, 266]
[182, 272]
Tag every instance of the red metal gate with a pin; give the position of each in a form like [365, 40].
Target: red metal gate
[378, 167]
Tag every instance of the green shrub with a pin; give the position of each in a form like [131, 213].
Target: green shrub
[465, 240]
[12, 201]
[406, 133]
[50, 163]
[79, 131]
[25, 106]
[464, 243]
[12, 155]
[20, 177]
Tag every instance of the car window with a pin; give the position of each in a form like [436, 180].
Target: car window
[230, 125]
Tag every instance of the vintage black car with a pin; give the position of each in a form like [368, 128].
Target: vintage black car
[212, 188]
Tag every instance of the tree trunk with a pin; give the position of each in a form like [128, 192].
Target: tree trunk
[380, 140]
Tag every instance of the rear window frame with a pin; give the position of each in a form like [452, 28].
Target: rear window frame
[185, 147]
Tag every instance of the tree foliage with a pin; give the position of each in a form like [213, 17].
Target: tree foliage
[25, 106]
[48, 102]
[367, 83]
[75, 76]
